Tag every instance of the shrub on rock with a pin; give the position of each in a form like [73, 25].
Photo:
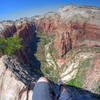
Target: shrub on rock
[8, 46]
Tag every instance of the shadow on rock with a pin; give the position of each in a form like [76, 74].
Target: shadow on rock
[27, 53]
[77, 93]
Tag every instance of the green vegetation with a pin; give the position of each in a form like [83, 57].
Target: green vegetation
[54, 73]
[50, 73]
[8, 46]
[75, 82]
[46, 69]
[95, 86]
[80, 77]
[42, 41]
[53, 51]
[84, 49]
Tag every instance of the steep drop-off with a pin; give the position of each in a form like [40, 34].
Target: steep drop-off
[65, 45]
[15, 79]
[74, 26]
[26, 31]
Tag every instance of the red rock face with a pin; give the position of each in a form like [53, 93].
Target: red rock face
[26, 32]
[92, 75]
[8, 32]
[69, 36]
[49, 26]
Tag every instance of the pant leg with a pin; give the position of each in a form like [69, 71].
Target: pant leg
[42, 91]
[64, 96]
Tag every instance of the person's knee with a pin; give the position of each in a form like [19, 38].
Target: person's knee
[42, 79]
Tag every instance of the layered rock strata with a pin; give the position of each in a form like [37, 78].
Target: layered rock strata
[24, 30]
[74, 26]
[16, 80]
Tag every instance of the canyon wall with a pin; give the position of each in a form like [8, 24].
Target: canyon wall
[74, 27]
[24, 30]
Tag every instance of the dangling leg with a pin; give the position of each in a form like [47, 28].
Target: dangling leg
[42, 90]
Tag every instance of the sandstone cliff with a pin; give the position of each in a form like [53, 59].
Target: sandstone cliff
[66, 45]
[74, 26]
[26, 31]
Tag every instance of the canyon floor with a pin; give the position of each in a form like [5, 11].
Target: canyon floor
[60, 46]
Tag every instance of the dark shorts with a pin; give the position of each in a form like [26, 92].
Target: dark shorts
[42, 92]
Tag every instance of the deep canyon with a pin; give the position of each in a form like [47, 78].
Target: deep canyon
[63, 45]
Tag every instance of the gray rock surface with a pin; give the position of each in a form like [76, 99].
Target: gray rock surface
[15, 80]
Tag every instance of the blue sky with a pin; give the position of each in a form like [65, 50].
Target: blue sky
[14, 9]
